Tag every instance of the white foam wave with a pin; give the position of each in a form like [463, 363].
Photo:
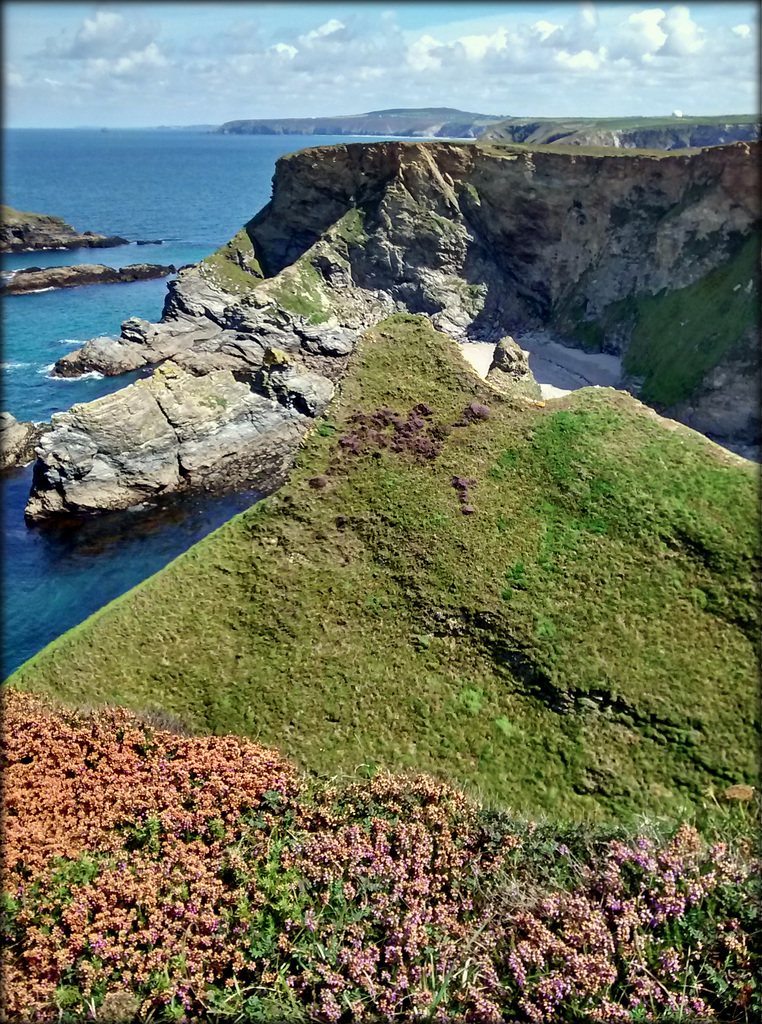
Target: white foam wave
[14, 366]
[70, 341]
[46, 369]
[90, 375]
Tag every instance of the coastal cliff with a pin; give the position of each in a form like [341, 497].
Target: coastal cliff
[629, 132]
[426, 122]
[650, 256]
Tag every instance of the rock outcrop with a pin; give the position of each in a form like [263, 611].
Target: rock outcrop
[35, 279]
[485, 240]
[18, 440]
[510, 372]
[27, 232]
[172, 433]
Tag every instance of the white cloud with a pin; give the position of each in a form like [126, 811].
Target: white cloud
[640, 36]
[150, 57]
[585, 60]
[477, 46]
[578, 59]
[545, 29]
[420, 54]
[285, 50]
[683, 34]
[328, 29]
[106, 34]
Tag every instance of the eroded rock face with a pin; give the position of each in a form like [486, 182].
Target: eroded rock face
[510, 372]
[17, 440]
[173, 432]
[727, 404]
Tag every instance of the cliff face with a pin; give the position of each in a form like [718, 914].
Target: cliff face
[649, 256]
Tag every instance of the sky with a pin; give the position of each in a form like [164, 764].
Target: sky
[148, 64]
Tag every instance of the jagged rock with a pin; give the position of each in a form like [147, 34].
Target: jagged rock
[509, 357]
[17, 440]
[510, 372]
[171, 433]
[336, 342]
[289, 384]
[26, 232]
[35, 279]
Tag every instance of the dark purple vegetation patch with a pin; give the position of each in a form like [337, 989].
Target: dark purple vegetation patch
[386, 428]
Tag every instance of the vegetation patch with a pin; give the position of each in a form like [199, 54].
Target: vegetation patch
[299, 289]
[152, 876]
[679, 336]
[235, 267]
[675, 337]
[601, 599]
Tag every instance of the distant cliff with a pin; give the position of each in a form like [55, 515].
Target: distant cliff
[27, 232]
[627, 133]
[431, 122]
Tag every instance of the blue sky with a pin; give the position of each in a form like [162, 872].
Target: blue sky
[143, 64]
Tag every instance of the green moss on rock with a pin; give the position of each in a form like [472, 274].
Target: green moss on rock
[235, 266]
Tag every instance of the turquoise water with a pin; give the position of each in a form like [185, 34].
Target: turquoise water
[193, 191]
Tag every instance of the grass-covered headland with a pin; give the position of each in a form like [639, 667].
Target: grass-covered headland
[550, 609]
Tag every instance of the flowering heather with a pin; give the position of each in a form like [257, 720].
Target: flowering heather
[386, 428]
[152, 876]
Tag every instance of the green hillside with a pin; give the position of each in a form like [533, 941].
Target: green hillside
[582, 642]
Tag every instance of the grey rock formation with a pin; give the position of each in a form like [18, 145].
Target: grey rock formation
[482, 240]
[509, 357]
[171, 433]
[510, 372]
[309, 393]
[17, 440]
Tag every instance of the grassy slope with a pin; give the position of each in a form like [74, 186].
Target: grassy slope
[371, 622]
[12, 217]
[677, 336]
[701, 323]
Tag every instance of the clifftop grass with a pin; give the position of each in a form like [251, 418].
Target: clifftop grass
[583, 643]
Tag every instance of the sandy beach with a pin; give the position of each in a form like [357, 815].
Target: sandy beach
[556, 368]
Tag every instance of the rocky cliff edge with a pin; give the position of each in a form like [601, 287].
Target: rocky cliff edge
[610, 251]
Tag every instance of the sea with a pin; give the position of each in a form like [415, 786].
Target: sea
[193, 190]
